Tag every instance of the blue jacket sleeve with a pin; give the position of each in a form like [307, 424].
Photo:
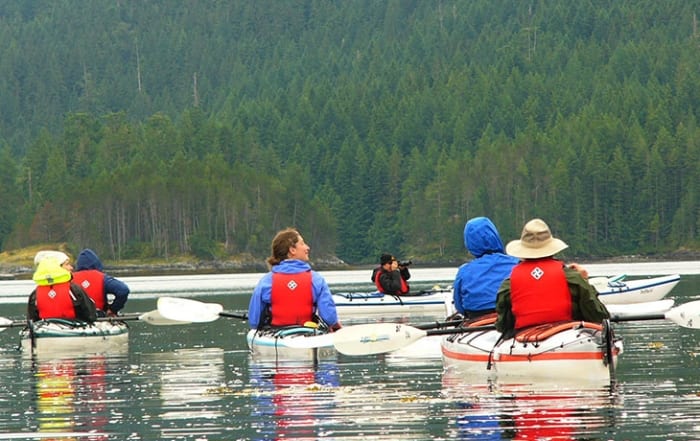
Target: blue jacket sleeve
[119, 289]
[457, 293]
[260, 300]
[325, 305]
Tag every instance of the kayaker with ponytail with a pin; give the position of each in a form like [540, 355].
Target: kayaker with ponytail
[56, 296]
[291, 293]
[542, 289]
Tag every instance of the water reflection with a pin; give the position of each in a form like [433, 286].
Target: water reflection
[189, 381]
[542, 411]
[292, 397]
[168, 386]
[71, 395]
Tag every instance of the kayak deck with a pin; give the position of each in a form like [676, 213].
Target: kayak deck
[293, 342]
[566, 350]
[65, 336]
[360, 304]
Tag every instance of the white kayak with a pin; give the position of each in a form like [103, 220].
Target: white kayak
[587, 352]
[435, 302]
[625, 310]
[65, 336]
[290, 343]
[617, 290]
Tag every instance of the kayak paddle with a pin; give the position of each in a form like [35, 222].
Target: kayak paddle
[151, 317]
[379, 338]
[193, 311]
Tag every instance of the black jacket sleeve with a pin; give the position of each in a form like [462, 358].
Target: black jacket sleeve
[32, 311]
[84, 306]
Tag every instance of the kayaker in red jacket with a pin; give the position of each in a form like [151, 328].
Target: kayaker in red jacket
[542, 289]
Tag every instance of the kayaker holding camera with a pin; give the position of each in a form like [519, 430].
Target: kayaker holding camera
[391, 277]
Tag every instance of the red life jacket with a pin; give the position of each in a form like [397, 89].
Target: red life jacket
[380, 288]
[292, 299]
[55, 301]
[539, 293]
[378, 273]
[93, 282]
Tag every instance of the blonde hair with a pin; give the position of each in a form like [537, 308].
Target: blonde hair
[282, 242]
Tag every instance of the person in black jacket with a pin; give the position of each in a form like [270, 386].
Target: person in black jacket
[391, 277]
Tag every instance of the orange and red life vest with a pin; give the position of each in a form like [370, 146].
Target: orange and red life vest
[539, 293]
[93, 282]
[292, 301]
[55, 301]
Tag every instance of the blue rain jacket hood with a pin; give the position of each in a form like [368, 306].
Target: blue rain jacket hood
[87, 260]
[477, 281]
[481, 237]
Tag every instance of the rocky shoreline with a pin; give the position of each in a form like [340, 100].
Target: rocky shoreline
[10, 271]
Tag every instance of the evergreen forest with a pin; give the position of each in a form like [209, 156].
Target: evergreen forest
[161, 128]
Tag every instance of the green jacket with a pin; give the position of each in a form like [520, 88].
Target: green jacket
[585, 304]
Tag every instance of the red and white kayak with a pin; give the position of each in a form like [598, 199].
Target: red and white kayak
[580, 350]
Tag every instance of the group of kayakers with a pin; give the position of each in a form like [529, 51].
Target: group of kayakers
[79, 293]
[523, 282]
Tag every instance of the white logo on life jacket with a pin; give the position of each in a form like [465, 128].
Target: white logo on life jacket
[292, 285]
[52, 294]
[85, 284]
[537, 273]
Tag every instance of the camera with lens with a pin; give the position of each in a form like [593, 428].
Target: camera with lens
[405, 262]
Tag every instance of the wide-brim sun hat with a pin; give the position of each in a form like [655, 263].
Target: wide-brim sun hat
[536, 241]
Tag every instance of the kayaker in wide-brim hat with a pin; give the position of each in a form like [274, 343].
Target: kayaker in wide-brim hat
[542, 289]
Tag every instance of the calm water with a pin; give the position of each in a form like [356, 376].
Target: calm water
[198, 382]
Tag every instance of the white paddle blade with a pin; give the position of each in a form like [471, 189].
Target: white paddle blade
[156, 318]
[5, 323]
[375, 338]
[188, 310]
[686, 315]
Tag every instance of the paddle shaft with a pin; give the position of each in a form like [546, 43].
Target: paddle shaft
[439, 324]
[19, 323]
[233, 315]
[640, 317]
[459, 330]
[138, 316]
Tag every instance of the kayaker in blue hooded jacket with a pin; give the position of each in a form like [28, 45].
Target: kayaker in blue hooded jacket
[291, 293]
[89, 274]
[478, 280]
